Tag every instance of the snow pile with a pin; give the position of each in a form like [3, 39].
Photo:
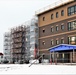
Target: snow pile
[37, 69]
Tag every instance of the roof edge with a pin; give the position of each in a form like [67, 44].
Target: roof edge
[52, 6]
[61, 44]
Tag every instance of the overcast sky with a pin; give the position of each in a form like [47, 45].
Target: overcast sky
[16, 12]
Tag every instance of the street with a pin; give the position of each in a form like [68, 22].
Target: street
[37, 69]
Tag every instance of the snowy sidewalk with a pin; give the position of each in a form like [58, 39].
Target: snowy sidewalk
[36, 69]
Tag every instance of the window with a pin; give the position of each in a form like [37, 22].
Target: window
[57, 42]
[51, 29]
[56, 14]
[72, 25]
[43, 18]
[72, 40]
[71, 10]
[75, 9]
[62, 27]
[6, 49]
[31, 52]
[52, 42]
[56, 28]
[1, 56]
[5, 53]
[62, 13]
[52, 16]
[62, 41]
[43, 30]
[43, 43]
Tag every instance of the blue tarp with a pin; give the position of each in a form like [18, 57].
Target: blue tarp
[62, 47]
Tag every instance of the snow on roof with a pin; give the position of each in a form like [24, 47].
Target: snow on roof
[53, 6]
[62, 47]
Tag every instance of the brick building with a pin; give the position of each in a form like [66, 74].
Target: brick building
[57, 25]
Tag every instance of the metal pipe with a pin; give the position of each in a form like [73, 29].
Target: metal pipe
[73, 54]
[53, 56]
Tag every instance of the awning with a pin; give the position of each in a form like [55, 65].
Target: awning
[62, 47]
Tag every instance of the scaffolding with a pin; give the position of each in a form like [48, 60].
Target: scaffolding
[18, 43]
[27, 42]
[7, 45]
[31, 38]
[24, 41]
[34, 38]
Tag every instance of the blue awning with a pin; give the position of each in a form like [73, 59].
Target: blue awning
[62, 47]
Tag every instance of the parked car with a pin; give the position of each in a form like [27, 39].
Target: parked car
[5, 61]
[45, 61]
[21, 62]
[35, 61]
[27, 61]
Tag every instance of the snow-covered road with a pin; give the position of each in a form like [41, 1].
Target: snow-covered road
[37, 69]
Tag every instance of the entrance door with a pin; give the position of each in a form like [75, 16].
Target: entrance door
[64, 58]
[67, 57]
[60, 58]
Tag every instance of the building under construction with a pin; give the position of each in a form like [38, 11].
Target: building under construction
[7, 47]
[18, 43]
[27, 42]
[24, 41]
[34, 38]
[31, 38]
